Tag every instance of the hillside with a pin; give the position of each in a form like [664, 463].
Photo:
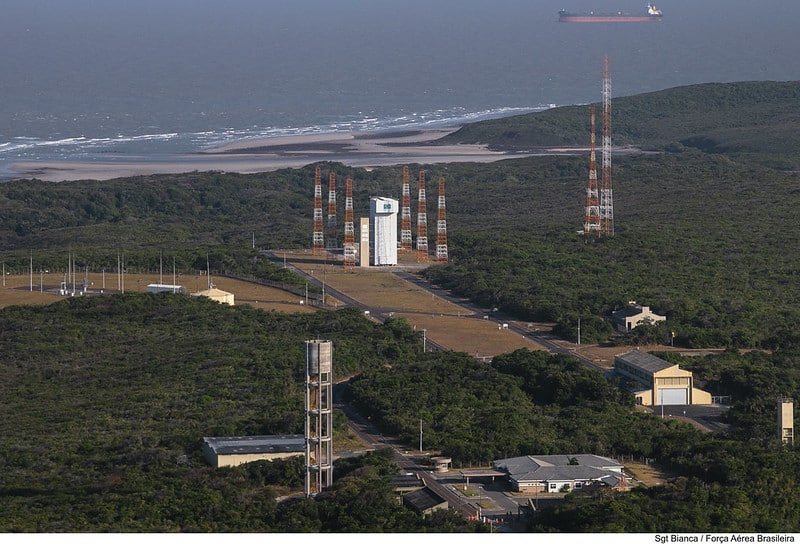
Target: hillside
[755, 117]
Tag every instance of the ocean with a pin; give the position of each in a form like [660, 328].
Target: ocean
[109, 80]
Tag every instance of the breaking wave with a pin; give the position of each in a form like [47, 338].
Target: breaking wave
[120, 147]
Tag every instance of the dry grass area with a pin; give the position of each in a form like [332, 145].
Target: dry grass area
[17, 289]
[444, 321]
[649, 475]
[474, 336]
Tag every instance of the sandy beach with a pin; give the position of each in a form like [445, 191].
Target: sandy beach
[416, 146]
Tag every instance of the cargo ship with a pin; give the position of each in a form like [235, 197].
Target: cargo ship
[653, 15]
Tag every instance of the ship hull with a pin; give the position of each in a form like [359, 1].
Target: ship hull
[609, 19]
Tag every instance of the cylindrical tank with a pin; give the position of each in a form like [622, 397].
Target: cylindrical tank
[319, 356]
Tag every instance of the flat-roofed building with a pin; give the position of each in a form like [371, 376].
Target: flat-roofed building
[657, 382]
[165, 288]
[230, 451]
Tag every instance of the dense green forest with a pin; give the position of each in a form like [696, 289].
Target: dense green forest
[106, 400]
[758, 117]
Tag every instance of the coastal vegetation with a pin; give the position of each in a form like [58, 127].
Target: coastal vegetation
[107, 399]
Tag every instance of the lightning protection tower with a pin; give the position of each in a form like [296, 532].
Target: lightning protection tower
[606, 194]
[441, 226]
[349, 227]
[331, 210]
[318, 244]
[422, 220]
[405, 214]
[591, 223]
[319, 416]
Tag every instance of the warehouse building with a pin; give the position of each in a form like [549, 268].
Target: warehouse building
[656, 382]
[230, 451]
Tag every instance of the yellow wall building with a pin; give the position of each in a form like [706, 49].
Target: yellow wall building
[664, 383]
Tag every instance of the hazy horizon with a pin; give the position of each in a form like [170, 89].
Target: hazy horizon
[102, 69]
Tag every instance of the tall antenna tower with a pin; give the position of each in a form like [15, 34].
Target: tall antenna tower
[331, 237]
[422, 220]
[319, 416]
[318, 244]
[332, 199]
[349, 227]
[606, 194]
[441, 226]
[592, 221]
[405, 214]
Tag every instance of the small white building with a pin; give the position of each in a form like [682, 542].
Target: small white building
[633, 315]
[383, 231]
[164, 288]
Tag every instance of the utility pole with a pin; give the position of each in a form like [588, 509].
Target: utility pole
[420, 435]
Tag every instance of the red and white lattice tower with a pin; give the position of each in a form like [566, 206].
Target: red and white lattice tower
[422, 220]
[592, 222]
[318, 242]
[349, 227]
[405, 214]
[606, 193]
[441, 226]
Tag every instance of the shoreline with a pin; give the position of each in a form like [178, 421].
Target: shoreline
[354, 149]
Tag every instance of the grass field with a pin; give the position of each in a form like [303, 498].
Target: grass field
[475, 336]
[16, 289]
[450, 325]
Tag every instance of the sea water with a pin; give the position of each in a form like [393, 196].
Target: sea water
[87, 80]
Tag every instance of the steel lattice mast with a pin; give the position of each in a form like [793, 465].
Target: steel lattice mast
[349, 227]
[592, 221]
[332, 200]
[332, 234]
[405, 214]
[606, 193]
[441, 226]
[318, 244]
[422, 220]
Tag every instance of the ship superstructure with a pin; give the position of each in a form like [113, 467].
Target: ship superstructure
[653, 15]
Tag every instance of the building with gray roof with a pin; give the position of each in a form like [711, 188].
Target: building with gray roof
[654, 381]
[229, 451]
[425, 501]
[555, 473]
